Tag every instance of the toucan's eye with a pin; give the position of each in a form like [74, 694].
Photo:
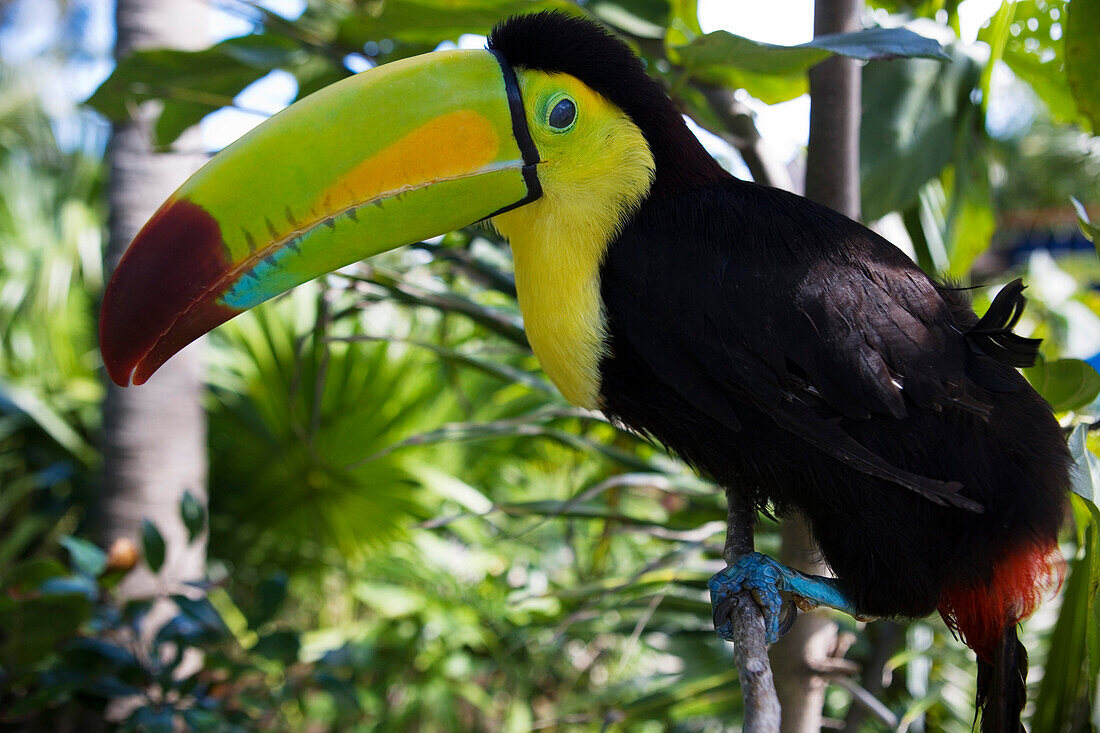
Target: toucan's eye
[563, 114]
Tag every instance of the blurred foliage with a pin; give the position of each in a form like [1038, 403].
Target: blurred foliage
[409, 529]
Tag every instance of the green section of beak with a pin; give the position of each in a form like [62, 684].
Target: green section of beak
[391, 156]
[406, 151]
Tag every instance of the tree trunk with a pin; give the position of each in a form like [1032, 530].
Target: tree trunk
[154, 437]
[832, 178]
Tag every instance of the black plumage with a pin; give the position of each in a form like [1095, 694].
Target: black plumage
[796, 356]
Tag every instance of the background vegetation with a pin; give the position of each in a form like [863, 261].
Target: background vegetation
[408, 528]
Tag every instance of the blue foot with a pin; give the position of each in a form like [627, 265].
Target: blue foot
[767, 579]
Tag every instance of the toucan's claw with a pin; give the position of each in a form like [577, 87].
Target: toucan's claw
[768, 580]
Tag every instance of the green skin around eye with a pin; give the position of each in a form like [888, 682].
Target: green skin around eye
[550, 107]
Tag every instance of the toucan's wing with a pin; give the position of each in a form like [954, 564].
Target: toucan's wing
[812, 319]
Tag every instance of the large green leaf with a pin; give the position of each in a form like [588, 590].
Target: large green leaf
[775, 73]
[1067, 384]
[912, 109]
[1083, 57]
[191, 84]
[721, 48]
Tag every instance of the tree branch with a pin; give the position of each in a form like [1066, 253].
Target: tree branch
[739, 130]
[750, 651]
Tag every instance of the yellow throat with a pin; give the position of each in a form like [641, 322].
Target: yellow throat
[594, 176]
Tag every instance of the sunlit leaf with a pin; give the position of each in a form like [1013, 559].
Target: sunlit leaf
[1084, 223]
[1067, 384]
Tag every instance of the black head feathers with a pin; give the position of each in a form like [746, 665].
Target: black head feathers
[556, 42]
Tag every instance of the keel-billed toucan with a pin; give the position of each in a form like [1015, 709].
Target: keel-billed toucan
[779, 347]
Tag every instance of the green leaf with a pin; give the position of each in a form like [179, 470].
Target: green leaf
[1086, 469]
[1090, 230]
[282, 646]
[493, 368]
[776, 73]
[912, 110]
[343, 692]
[1064, 683]
[1021, 34]
[1067, 384]
[202, 611]
[1083, 57]
[47, 420]
[86, 557]
[191, 84]
[27, 575]
[640, 18]
[272, 594]
[203, 720]
[152, 545]
[27, 639]
[193, 515]
[723, 48]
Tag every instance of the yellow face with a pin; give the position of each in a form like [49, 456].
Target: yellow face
[596, 169]
[595, 162]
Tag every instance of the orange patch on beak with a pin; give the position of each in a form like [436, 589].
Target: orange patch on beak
[428, 154]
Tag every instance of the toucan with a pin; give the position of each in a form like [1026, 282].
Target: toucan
[782, 349]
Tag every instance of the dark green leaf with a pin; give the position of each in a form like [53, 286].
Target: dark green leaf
[83, 585]
[152, 545]
[149, 719]
[281, 646]
[1067, 384]
[28, 575]
[912, 114]
[272, 595]
[203, 720]
[115, 655]
[193, 515]
[27, 639]
[202, 611]
[86, 557]
[342, 691]
[1083, 56]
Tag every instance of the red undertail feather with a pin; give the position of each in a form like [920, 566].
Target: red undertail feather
[980, 614]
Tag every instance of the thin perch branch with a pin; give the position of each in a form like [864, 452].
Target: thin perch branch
[750, 651]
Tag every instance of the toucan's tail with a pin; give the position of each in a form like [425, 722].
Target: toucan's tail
[1002, 685]
[985, 617]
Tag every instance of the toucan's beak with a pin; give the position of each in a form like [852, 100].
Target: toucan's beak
[409, 150]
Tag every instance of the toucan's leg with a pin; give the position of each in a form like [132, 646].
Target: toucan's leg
[767, 579]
